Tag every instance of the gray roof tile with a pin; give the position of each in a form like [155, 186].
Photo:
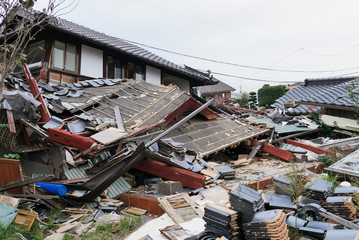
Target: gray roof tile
[331, 91]
[125, 47]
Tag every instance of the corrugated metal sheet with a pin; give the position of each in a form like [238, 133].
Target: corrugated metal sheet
[116, 188]
[280, 129]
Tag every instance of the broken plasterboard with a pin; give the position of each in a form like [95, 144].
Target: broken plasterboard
[343, 123]
[109, 136]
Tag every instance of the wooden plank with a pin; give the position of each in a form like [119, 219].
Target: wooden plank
[10, 201]
[209, 172]
[11, 121]
[118, 117]
[34, 127]
[134, 210]
[180, 207]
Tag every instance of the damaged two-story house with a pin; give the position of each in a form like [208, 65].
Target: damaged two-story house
[66, 52]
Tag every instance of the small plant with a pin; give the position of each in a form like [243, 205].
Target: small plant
[327, 160]
[12, 156]
[298, 184]
[333, 178]
[68, 237]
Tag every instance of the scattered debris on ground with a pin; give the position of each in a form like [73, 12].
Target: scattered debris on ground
[118, 158]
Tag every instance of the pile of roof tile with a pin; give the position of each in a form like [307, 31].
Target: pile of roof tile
[221, 221]
[341, 206]
[319, 189]
[226, 171]
[345, 191]
[267, 225]
[247, 202]
[274, 201]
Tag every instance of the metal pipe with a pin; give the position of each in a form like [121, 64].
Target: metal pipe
[191, 115]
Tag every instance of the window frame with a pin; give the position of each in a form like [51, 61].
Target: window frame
[77, 54]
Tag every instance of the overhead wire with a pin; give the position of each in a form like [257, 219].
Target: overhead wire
[242, 65]
[255, 35]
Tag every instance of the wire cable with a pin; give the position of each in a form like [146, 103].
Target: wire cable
[241, 65]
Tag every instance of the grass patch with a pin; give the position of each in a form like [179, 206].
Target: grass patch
[10, 233]
[115, 231]
[333, 178]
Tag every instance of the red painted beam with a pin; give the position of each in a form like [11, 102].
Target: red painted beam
[308, 147]
[70, 139]
[282, 154]
[45, 115]
[187, 178]
[191, 105]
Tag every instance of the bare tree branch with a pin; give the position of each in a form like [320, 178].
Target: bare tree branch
[19, 26]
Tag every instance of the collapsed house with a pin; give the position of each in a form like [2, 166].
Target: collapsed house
[94, 134]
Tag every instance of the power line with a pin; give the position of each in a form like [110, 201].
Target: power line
[253, 79]
[255, 35]
[241, 65]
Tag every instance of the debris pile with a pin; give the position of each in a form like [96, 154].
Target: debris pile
[99, 150]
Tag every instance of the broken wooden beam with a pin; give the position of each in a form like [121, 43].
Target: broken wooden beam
[45, 114]
[26, 182]
[308, 147]
[282, 154]
[70, 139]
[187, 178]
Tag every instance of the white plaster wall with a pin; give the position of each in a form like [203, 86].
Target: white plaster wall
[179, 82]
[91, 62]
[153, 75]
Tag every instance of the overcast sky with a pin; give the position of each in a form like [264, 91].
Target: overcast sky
[303, 35]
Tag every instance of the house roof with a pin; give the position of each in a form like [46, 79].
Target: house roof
[126, 47]
[217, 88]
[330, 91]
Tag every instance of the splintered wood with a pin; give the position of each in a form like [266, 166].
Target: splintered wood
[136, 211]
[180, 207]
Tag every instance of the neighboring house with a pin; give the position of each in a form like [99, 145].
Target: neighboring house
[294, 85]
[67, 52]
[325, 95]
[218, 91]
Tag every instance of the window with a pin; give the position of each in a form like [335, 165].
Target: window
[135, 71]
[65, 56]
[113, 68]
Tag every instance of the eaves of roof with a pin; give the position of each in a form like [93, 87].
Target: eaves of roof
[125, 47]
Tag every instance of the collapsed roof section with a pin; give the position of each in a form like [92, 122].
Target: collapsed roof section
[140, 103]
[207, 137]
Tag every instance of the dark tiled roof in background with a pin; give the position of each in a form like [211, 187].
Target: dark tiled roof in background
[331, 91]
[126, 47]
[220, 87]
[327, 81]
